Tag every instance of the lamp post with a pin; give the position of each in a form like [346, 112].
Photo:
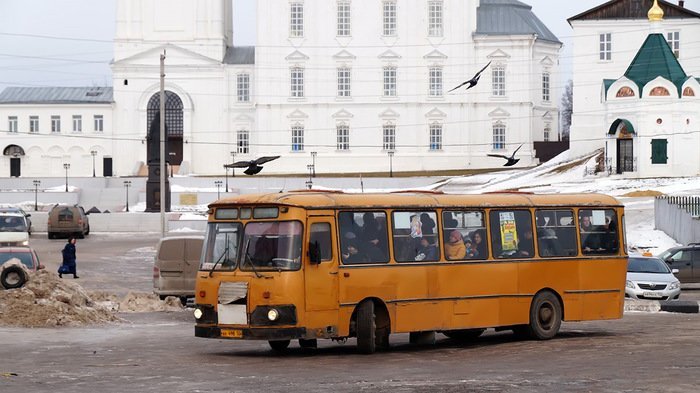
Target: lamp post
[37, 183]
[226, 176]
[310, 183]
[94, 153]
[390, 153]
[218, 189]
[233, 171]
[66, 166]
[313, 162]
[127, 184]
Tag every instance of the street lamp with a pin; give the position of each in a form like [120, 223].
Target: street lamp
[390, 153]
[94, 153]
[233, 171]
[310, 183]
[37, 183]
[66, 166]
[218, 189]
[313, 162]
[127, 184]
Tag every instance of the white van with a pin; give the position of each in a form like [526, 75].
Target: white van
[14, 230]
[175, 266]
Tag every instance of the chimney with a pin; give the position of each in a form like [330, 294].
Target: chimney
[681, 3]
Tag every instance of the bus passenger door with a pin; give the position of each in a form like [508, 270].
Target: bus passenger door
[321, 277]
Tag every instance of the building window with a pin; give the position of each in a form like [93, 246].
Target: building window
[99, 123]
[389, 18]
[545, 86]
[297, 82]
[605, 46]
[659, 153]
[625, 91]
[435, 18]
[674, 41]
[687, 92]
[344, 82]
[343, 137]
[12, 123]
[389, 81]
[436, 137]
[243, 142]
[389, 137]
[296, 20]
[343, 18]
[498, 81]
[243, 87]
[298, 138]
[33, 123]
[77, 123]
[659, 91]
[435, 81]
[499, 136]
[55, 124]
[547, 132]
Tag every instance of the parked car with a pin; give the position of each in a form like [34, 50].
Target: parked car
[14, 276]
[651, 278]
[68, 220]
[176, 265]
[20, 211]
[686, 259]
[13, 229]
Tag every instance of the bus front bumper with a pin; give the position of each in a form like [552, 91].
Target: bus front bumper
[276, 333]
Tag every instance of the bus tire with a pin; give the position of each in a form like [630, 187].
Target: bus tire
[366, 328]
[545, 316]
[464, 334]
[279, 345]
[13, 277]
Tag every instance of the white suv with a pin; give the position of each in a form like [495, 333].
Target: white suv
[14, 230]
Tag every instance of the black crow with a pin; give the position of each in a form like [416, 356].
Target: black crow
[511, 160]
[473, 81]
[253, 166]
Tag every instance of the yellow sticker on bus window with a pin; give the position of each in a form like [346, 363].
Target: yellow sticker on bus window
[509, 233]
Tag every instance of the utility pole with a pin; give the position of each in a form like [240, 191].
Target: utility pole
[162, 144]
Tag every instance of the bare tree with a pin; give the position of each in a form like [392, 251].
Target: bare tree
[567, 109]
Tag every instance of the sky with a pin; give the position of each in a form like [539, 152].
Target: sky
[69, 42]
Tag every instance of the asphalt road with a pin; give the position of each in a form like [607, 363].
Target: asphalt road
[157, 352]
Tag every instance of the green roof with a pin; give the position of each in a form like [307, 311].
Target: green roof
[656, 59]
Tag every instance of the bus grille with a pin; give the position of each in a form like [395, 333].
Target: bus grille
[230, 292]
[655, 287]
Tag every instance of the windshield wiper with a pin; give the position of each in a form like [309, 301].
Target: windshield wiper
[223, 254]
[250, 259]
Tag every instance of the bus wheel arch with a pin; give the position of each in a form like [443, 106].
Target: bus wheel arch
[546, 314]
[371, 324]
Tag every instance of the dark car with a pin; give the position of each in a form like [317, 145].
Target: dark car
[20, 211]
[686, 259]
[14, 276]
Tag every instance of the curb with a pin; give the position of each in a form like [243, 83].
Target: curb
[678, 306]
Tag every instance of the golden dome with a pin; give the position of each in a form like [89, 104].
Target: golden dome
[655, 14]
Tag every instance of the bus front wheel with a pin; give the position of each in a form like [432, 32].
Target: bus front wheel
[545, 316]
[366, 328]
[279, 345]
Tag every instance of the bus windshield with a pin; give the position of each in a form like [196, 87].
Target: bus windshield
[221, 246]
[272, 245]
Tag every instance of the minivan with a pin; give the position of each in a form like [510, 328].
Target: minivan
[68, 220]
[175, 266]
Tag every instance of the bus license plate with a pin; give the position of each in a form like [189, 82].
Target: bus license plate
[232, 333]
[652, 294]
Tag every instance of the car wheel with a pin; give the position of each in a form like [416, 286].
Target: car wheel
[13, 277]
[279, 345]
[366, 328]
[545, 316]
[464, 334]
[80, 235]
[88, 231]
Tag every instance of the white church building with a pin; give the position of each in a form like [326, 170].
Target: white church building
[354, 86]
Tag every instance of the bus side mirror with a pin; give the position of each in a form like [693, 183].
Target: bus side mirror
[314, 253]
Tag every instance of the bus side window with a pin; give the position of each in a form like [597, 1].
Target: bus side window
[511, 234]
[320, 236]
[556, 235]
[415, 236]
[598, 230]
[464, 235]
[363, 237]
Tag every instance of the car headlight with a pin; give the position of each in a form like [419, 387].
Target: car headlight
[273, 314]
[675, 285]
[25, 243]
[197, 313]
[630, 284]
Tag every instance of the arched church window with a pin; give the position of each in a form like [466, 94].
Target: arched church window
[173, 112]
[659, 91]
[688, 92]
[625, 91]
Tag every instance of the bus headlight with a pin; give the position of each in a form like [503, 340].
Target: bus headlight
[197, 313]
[273, 314]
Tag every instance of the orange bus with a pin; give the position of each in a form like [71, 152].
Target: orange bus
[309, 265]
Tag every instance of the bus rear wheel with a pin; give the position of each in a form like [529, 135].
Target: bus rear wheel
[279, 345]
[464, 334]
[366, 328]
[545, 316]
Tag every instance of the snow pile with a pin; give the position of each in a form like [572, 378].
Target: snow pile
[48, 301]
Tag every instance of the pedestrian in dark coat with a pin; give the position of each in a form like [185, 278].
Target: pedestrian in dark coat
[69, 258]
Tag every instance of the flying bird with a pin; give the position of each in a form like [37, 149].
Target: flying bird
[473, 81]
[253, 166]
[511, 160]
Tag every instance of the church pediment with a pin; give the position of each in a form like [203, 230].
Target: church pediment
[499, 112]
[174, 56]
[435, 55]
[547, 61]
[344, 55]
[342, 114]
[435, 113]
[297, 114]
[296, 56]
[389, 113]
[243, 119]
[547, 115]
[389, 55]
[498, 55]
